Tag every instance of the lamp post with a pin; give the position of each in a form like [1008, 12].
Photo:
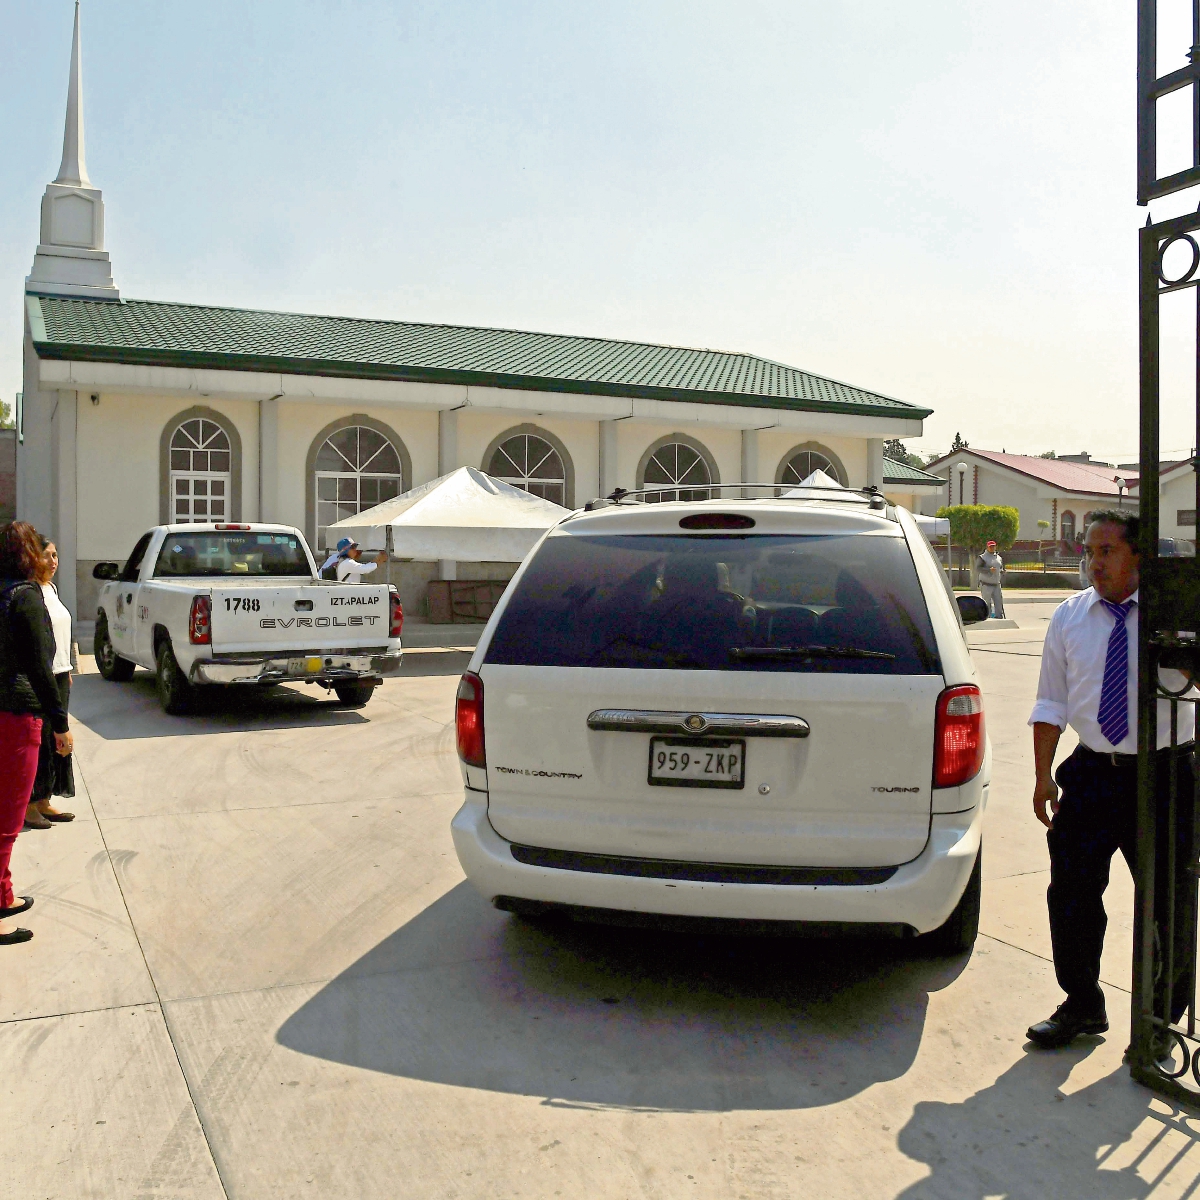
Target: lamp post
[962, 477]
[1121, 486]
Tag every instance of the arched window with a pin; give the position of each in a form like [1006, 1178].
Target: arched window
[674, 461]
[200, 481]
[802, 462]
[528, 461]
[1066, 525]
[356, 467]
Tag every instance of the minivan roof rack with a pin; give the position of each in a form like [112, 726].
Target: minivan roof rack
[871, 496]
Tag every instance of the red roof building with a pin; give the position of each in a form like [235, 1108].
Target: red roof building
[1061, 493]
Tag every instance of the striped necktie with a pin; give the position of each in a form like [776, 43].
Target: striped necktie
[1114, 691]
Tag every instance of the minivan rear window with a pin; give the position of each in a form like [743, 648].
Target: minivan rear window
[849, 604]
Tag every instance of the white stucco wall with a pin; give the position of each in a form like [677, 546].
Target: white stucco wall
[118, 466]
[1178, 492]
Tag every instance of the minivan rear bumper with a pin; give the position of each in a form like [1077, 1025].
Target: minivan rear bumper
[921, 894]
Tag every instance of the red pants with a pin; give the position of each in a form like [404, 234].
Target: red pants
[20, 737]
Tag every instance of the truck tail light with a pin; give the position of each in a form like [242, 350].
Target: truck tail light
[959, 737]
[396, 623]
[224, 525]
[200, 622]
[468, 720]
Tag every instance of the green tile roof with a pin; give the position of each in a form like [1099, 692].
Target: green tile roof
[898, 472]
[147, 332]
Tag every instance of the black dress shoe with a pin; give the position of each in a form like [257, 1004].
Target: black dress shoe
[1065, 1026]
[25, 905]
[17, 935]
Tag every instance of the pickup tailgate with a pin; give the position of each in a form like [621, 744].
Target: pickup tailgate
[247, 618]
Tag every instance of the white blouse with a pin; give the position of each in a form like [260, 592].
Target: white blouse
[60, 618]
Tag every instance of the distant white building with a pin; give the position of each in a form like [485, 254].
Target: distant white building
[137, 412]
[1177, 500]
[1061, 492]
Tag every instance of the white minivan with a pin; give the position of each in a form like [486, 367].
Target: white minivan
[757, 709]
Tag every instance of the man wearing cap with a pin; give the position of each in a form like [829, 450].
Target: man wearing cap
[329, 566]
[991, 568]
[350, 567]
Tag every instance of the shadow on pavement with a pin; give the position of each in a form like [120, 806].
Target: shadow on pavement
[427, 663]
[121, 711]
[1024, 1139]
[585, 1015]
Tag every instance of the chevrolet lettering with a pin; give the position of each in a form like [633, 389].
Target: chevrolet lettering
[220, 604]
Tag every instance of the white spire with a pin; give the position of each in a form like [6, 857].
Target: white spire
[70, 258]
[73, 170]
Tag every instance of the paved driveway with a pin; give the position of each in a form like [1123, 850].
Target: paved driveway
[257, 972]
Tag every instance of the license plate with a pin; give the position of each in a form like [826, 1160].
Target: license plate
[691, 762]
[304, 666]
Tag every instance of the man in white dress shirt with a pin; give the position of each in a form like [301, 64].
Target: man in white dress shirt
[1089, 681]
[351, 567]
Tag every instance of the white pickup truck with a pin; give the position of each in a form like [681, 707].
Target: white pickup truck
[241, 604]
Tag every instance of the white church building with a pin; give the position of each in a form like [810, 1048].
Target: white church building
[138, 412]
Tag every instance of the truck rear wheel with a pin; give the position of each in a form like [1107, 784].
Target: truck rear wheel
[175, 694]
[109, 663]
[354, 694]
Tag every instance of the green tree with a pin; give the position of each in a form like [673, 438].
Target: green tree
[974, 525]
[895, 450]
[6, 415]
[1047, 454]
[960, 443]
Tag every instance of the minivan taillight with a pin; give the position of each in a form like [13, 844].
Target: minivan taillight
[958, 738]
[200, 622]
[396, 624]
[468, 720]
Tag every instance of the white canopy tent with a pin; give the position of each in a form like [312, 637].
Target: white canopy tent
[819, 483]
[465, 516]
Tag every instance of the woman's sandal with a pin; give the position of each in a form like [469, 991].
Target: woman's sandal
[25, 905]
[17, 935]
[58, 816]
[35, 820]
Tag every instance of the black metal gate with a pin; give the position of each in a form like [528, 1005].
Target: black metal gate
[1165, 1052]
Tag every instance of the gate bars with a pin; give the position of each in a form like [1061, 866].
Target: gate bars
[1165, 1055]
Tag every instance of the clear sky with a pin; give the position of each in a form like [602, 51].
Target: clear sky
[932, 199]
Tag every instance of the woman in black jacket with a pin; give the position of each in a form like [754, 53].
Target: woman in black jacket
[28, 695]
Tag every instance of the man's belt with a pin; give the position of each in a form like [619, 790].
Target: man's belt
[1126, 760]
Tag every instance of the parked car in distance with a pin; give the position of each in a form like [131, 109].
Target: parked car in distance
[236, 604]
[753, 709]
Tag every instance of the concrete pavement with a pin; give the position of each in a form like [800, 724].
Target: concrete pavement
[257, 972]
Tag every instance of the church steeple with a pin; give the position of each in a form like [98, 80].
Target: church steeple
[71, 259]
[73, 169]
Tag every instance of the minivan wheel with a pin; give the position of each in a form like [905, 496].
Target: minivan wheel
[175, 694]
[958, 934]
[109, 663]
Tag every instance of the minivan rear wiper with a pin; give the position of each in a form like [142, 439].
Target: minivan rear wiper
[782, 653]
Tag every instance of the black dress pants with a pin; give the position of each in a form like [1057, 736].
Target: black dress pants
[1097, 816]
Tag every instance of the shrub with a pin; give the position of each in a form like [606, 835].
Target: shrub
[974, 525]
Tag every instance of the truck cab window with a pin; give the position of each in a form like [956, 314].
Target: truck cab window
[130, 572]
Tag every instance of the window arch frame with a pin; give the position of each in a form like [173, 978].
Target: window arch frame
[683, 439]
[839, 467]
[310, 464]
[555, 442]
[1062, 516]
[199, 412]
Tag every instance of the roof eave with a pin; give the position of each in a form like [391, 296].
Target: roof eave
[139, 356]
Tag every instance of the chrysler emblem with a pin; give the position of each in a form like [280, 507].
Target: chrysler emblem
[695, 723]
